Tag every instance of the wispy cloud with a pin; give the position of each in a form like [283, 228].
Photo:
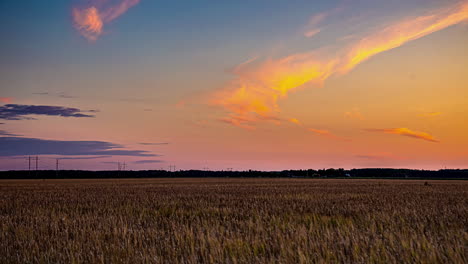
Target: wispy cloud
[18, 146]
[253, 95]
[21, 112]
[90, 20]
[312, 32]
[397, 34]
[5, 133]
[430, 114]
[379, 156]
[84, 158]
[153, 144]
[314, 26]
[6, 100]
[354, 114]
[295, 121]
[406, 132]
[57, 94]
[327, 134]
[320, 132]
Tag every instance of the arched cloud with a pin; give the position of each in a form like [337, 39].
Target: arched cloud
[406, 132]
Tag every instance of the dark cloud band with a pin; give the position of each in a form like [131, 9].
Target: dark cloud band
[21, 112]
[17, 146]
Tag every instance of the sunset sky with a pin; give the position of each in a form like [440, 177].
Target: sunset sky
[267, 85]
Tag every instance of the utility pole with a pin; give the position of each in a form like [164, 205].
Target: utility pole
[29, 167]
[172, 168]
[37, 164]
[56, 167]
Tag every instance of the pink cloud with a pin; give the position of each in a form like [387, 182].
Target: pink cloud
[90, 20]
[6, 100]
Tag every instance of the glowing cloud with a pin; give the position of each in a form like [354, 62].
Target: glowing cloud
[406, 132]
[295, 121]
[396, 35]
[253, 95]
[89, 21]
[6, 100]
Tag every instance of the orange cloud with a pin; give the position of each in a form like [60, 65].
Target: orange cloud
[295, 121]
[320, 132]
[354, 114]
[89, 21]
[254, 94]
[327, 134]
[406, 132]
[396, 35]
[258, 86]
[6, 100]
[431, 114]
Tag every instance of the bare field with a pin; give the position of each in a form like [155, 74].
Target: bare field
[233, 221]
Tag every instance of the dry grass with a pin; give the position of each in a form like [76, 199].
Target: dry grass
[233, 221]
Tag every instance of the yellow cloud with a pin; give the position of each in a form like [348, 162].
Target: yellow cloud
[295, 121]
[258, 86]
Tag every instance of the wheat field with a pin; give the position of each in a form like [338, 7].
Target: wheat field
[233, 221]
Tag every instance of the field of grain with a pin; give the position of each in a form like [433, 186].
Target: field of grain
[233, 221]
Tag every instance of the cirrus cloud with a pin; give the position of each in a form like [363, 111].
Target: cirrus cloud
[406, 132]
[258, 86]
[90, 20]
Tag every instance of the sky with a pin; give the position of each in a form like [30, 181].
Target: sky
[263, 85]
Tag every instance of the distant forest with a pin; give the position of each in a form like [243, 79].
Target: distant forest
[325, 173]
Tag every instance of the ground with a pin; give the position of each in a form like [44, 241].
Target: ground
[233, 221]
